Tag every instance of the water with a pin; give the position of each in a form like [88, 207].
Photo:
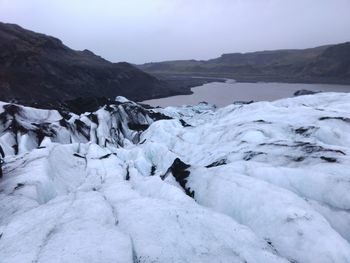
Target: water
[222, 94]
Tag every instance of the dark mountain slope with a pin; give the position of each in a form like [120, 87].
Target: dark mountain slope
[321, 64]
[39, 69]
[263, 58]
[334, 62]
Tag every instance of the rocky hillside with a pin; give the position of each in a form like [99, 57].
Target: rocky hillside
[36, 69]
[264, 182]
[325, 64]
[334, 62]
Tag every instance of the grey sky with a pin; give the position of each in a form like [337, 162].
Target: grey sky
[140, 31]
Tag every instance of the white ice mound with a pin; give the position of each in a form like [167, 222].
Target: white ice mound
[121, 99]
[263, 182]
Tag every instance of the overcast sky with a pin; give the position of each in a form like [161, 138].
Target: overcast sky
[140, 31]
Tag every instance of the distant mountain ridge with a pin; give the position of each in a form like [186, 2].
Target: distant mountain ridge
[36, 69]
[324, 64]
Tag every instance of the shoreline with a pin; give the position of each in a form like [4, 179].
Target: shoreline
[250, 78]
[222, 94]
[194, 81]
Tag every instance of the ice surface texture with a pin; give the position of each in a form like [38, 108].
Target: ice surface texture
[262, 182]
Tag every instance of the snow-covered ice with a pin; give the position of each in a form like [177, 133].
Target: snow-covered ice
[260, 182]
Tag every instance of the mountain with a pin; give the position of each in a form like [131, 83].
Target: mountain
[36, 69]
[325, 64]
[334, 62]
[264, 182]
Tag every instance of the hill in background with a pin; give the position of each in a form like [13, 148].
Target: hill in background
[325, 64]
[36, 69]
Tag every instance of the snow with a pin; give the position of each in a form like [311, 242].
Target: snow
[270, 182]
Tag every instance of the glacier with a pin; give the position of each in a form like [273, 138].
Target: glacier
[259, 182]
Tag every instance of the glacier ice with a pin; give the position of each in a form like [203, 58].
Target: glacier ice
[259, 182]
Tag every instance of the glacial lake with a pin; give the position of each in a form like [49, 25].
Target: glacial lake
[224, 93]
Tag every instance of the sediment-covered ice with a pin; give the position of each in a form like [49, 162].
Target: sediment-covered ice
[259, 182]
